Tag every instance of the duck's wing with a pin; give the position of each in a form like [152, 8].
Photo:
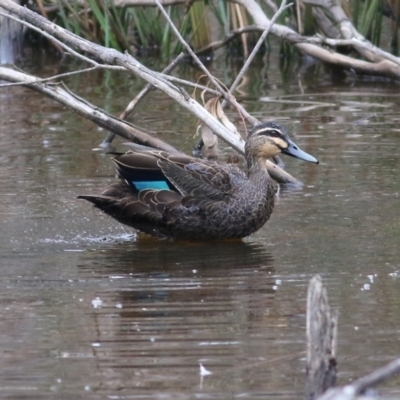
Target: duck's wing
[200, 178]
[187, 175]
[141, 171]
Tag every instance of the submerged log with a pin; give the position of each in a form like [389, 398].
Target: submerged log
[321, 340]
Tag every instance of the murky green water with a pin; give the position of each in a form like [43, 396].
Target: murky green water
[88, 309]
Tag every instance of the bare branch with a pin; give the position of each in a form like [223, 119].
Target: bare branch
[356, 43]
[135, 3]
[142, 94]
[386, 67]
[229, 37]
[47, 35]
[379, 62]
[190, 51]
[54, 77]
[377, 377]
[112, 57]
[190, 84]
[85, 109]
[321, 340]
[227, 96]
[246, 65]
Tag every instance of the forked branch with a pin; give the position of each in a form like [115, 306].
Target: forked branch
[99, 55]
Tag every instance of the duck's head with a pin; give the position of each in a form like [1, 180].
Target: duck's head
[268, 140]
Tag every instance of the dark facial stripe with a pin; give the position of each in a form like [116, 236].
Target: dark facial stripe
[270, 132]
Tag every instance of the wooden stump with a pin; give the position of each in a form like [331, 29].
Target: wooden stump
[321, 340]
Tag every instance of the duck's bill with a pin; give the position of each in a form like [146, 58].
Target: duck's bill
[294, 151]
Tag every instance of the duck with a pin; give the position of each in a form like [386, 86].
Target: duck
[179, 197]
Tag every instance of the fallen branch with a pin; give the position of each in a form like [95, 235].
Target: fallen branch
[141, 95]
[228, 38]
[106, 56]
[383, 62]
[113, 57]
[85, 109]
[378, 62]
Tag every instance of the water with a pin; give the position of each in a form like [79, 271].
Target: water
[89, 309]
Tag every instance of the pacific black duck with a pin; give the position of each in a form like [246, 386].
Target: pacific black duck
[181, 197]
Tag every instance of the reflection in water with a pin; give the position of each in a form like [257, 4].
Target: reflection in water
[178, 305]
[145, 255]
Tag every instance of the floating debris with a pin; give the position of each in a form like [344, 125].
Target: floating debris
[204, 371]
[97, 302]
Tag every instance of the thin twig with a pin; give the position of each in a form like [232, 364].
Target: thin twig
[229, 37]
[67, 74]
[111, 135]
[82, 107]
[112, 56]
[190, 51]
[226, 95]
[191, 84]
[148, 87]
[245, 67]
[52, 38]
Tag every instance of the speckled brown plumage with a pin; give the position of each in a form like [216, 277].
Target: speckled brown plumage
[202, 199]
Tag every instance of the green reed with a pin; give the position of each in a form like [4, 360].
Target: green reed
[144, 29]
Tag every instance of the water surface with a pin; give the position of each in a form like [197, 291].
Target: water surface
[90, 309]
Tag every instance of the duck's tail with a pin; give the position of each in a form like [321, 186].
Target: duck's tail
[99, 201]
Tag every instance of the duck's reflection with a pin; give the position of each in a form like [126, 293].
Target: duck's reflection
[150, 257]
[181, 303]
[156, 265]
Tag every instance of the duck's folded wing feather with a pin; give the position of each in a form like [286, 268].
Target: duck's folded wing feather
[142, 171]
[189, 176]
[199, 178]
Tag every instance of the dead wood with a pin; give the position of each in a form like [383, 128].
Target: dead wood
[101, 57]
[321, 340]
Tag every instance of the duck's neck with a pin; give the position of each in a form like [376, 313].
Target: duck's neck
[256, 166]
